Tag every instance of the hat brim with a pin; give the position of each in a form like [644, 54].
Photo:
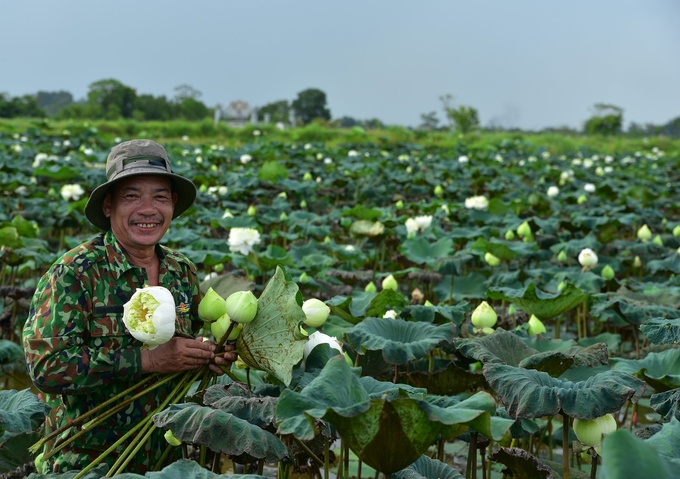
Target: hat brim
[185, 189]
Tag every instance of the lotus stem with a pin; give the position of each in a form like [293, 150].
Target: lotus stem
[359, 469]
[440, 449]
[215, 466]
[159, 465]
[341, 461]
[593, 467]
[145, 432]
[260, 467]
[203, 455]
[565, 446]
[472, 455]
[326, 459]
[346, 449]
[307, 450]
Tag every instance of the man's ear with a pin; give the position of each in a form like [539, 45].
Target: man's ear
[175, 196]
[106, 205]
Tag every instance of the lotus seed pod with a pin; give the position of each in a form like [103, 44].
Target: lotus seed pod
[390, 283]
[644, 233]
[676, 231]
[657, 240]
[371, 288]
[149, 315]
[211, 306]
[171, 439]
[484, 316]
[316, 311]
[509, 235]
[608, 273]
[251, 211]
[438, 191]
[524, 229]
[562, 256]
[241, 306]
[536, 326]
[491, 259]
[587, 258]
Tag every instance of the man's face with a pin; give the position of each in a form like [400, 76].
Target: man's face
[140, 209]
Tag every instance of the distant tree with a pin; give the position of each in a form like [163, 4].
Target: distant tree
[192, 109]
[23, 106]
[311, 104]
[607, 120]
[149, 107]
[346, 122]
[184, 91]
[429, 121]
[111, 99]
[463, 119]
[53, 101]
[278, 111]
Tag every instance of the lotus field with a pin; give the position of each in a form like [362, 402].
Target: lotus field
[503, 311]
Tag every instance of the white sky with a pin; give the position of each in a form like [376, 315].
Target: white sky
[522, 63]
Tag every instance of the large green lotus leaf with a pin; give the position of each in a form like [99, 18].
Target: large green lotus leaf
[21, 412]
[226, 284]
[238, 400]
[670, 263]
[384, 300]
[624, 456]
[14, 451]
[427, 468]
[11, 356]
[378, 389]
[436, 314]
[584, 354]
[525, 466]
[521, 427]
[662, 331]
[660, 370]
[667, 404]
[459, 288]
[362, 213]
[220, 431]
[96, 473]
[543, 305]
[272, 341]
[9, 237]
[505, 250]
[400, 341]
[420, 251]
[528, 393]
[507, 348]
[273, 257]
[447, 381]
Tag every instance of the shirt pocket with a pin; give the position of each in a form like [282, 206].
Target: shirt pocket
[107, 329]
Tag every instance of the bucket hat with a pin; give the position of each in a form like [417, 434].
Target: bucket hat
[138, 157]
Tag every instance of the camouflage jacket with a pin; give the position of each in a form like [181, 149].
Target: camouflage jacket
[80, 354]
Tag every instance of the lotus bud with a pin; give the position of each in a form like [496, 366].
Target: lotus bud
[491, 259]
[487, 331]
[562, 256]
[644, 233]
[438, 191]
[218, 268]
[283, 216]
[40, 466]
[171, 439]
[241, 306]
[390, 283]
[303, 278]
[283, 195]
[370, 287]
[220, 327]
[316, 311]
[241, 364]
[484, 316]
[428, 304]
[608, 273]
[535, 326]
[509, 235]
[303, 204]
[587, 258]
[553, 191]
[327, 240]
[417, 295]
[211, 306]
[582, 199]
[524, 229]
[590, 432]
[657, 240]
[251, 211]
[399, 205]
[203, 188]
[149, 315]
[512, 309]
[561, 286]
[676, 231]
[637, 262]
[307, 177]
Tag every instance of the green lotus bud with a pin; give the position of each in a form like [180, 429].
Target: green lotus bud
[307, 177]
[390, 283]
[608, 272]
[251, 211]
[535, 326]
[370, 287]
[220, 327]
[218, 268]
[484, 316]
[561, 286]
[528, 238]
[211, 306]
[428, 304]
[637, 262]
[590, 432]
[487, 331]
[562, 256]
[303, 278]
[150, 314]
[524, 229]
[283, 216]
[644, 233]
[241, 306]
[171, 439]
[400, 204]
[283, 195]
[203, 188]
[41, 466]
[512, 309]
[303, 204]
[657, 240]
[582, 199]
[491, 259]
[509, 235]
[676, 231]
[316, 311]
[438, 191]
[327, 239]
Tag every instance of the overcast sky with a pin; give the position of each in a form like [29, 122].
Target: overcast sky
[522, 63]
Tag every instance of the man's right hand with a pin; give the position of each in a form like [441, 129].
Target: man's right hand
[178, 354]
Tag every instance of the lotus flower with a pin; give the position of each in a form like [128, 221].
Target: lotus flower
[220, 327]
[536, 326]
[484, 316]
[477, 203]
[590, 432]
[390, 283]
[72, 192]
[587, 258]
[149, 315]
[317, 338]
[491, 259]
[316, 311]
[390, 313]
[245, 159]
[644, 233]
[241, 306]
[553, 191]
[242, 240]
[589, 188]
[211, 306]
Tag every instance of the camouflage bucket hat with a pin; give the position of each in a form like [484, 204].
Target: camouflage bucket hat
[138, 157]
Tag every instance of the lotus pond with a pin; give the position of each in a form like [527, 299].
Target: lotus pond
[576, 255]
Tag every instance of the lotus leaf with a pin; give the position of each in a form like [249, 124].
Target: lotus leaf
[660, 370]
[521, 427]
[525, 466]
[529, 394]
[432, 314]
[21, 412]
[225, 285]
[272, 341]
[220, 431]
[470, 286]
[543, 305]
[625, 456]
[11, 356]
[505, 250]
[237, 400]
[400, 341]
[446, 381]
[421, 251]
[667, 404]
[662, 331]
[670, 263]
[427, 468]
[273, 257]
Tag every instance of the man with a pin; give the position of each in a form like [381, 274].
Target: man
[77, 347]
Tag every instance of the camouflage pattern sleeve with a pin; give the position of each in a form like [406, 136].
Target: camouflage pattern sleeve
[63, 354]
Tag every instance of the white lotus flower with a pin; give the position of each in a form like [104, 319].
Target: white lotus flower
[463, 159]
[587, 258]
[477, 203]
[39, 158]
[242, 240]
[72, 192]
[589, 188]
[411, 226]
[352, 153]
[317, 338]
[390, 313]
[553, 191]
[316, 312]
[423, 222]
[149, 315]
[245, 159]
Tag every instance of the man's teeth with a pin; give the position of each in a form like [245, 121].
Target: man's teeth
[146, 225]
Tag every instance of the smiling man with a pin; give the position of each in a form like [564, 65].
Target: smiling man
[78, 350]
